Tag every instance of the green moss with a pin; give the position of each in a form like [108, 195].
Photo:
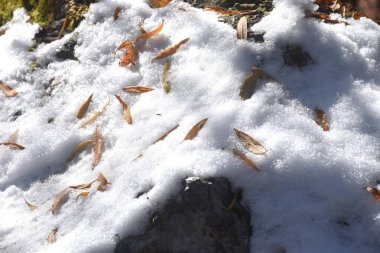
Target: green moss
[6, 9]
[43, 13]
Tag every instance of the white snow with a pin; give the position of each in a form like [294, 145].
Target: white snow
[309, 197]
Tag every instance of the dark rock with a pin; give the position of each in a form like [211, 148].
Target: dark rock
[294, 55]
[66, 52]
[206, 216]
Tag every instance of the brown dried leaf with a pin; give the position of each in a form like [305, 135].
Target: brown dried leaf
[131, 55]
[126, 110]
[102, 182]
[13, 138]
[226, 12]
[242, 27]
[13, 146]
[97, 147]
[63, 27]
[195, 129]
[137, 89]
[170, 50]
[165, 83]
[82, 194]
[30, 205]
[117, 12]
[59, 200]
[79, 148]
[82, 186]
[159, 3]
[166, 134]
[52, 238]
[93, 117]
[374, 191]
[83, 109]
[320, 119]
[250, 83]
[147, 35]
[7, 90]
[244, 158]
[250, 143]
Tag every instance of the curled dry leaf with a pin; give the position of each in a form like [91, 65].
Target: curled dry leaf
[79, 148]
[93, 117]
[146, 35]
[102, 182]
[226, 12]
[82, 194]
[249, 84]
[7, 90]
[320, 119]
[131, 55]
[117, 12]
[195, 129]
[13, 146]
[137, 89]
[165, 83]
[52, 236]
[97, 147]
[59, 200]
[83, 109]
[250, 143]
[244, 158]
[159, 3]
[170, 50]
[30, 205]
[82, 186]
[126, 110]
[166, 134]
[242, 27]
[374, 191]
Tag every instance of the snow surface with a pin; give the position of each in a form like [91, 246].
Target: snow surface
[309, 197]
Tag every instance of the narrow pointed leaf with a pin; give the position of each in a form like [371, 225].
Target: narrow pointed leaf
[92, 118]
[148, 35]
[170, 50]
[131, 55]
[52, 238]
[250, 83]
[242, 27]
[97, 147]
[102, 182]
[59, 200]
[82, 186]
[137, 89]
[30, 205]
[83, 109]
[82, 194]
[13, 138]
[320, 119]
[126, 110]
[13, 146]
[165, 83]
[195, 130]
[79, 148]
[250, 143]
[7, 90]
[245, 159]
[166, 134]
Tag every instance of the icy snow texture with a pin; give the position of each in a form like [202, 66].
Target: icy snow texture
[310, 196]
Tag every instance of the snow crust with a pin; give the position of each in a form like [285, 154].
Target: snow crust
[309, 197]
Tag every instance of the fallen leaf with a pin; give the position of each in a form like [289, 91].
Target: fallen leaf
[147, 35]
[320, 119]
[79, 148]
[137, 89]
[375, 192]
[97, 147]
[166, 134]
[82, 194]
[195, 129]
[170, 50]
[250, 143]
[13, 146]
[126, 110]
[116, 13]
[159, 3]
[52, 236]
[59, 200]
[13, 138]
[250, 83]
[242, 27]
[83, 109]
[131, 55]
[165, 83]
[82, 186]
[102, 182]
[227, 12]
[92, 118]
[31, 206]
[7, 90]
[244, 158]
[63, 27]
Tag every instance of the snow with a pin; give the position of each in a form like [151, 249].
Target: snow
[309, 197]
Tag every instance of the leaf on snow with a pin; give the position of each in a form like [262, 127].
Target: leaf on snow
[165, 83]
[131, 55]
[82, 186]
[375, 192]
[244, 158]
[137, 89]
[250, 143]
[102, 182]
[7, 90]
[52, 236]
[79, 148]
[166, 134]
[249, 84]
[226, 12]
[13, 138]
[97, 147]
[83, 109]
[159, 3]
[82, 194]
[126, 110]
[170, 50]
[195, 129]
[241, 28]
[30, 205]
[320, 119]
[93, 117]
[151, 34]
[13, 146]
[59, 200]
[117, 12]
